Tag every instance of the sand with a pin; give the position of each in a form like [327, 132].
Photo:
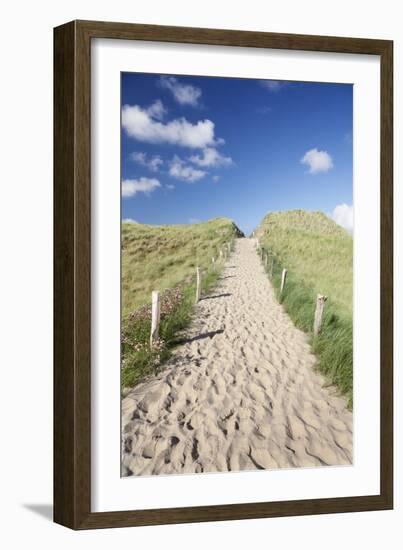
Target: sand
[240, 393]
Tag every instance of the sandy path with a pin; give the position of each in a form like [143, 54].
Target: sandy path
[240, 393]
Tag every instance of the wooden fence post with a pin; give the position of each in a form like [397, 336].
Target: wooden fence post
[320, 306]
[283, 278]
[155, 316]
[198, 284]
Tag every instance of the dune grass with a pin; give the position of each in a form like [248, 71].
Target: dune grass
[161, 257]
[318, 255]
[164, 258]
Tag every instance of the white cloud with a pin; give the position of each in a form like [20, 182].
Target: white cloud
[179, 169]
[156, 110]
[185, 94]
[194, 220]
[129, 220]
[343, 215]
[211, 157]
[170, 186]
[152, 163]
[273, 85]
[131, 187]
[318, 161]
[215, 178]
[143, 125]
[139, 157]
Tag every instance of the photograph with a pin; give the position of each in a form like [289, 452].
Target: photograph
[236, 274]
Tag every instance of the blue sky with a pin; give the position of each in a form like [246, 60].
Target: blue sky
[196, 148]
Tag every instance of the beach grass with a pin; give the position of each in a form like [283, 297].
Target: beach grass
[318, 256]
[164, 258]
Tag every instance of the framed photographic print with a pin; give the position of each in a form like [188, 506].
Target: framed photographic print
[223, 275]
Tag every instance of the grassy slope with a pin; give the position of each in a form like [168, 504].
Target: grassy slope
[319, 257]
[163, 258]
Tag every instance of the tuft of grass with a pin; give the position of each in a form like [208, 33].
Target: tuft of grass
[164, 258]
[318, 255]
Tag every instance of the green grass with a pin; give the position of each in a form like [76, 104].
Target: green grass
[164, 258]
[161, 257]
[318, 255]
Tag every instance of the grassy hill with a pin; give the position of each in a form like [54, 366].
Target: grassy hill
[164, 258]
[318, 255]
[158, 257]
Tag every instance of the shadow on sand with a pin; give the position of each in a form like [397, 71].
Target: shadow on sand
[224, 295]
[210, 334]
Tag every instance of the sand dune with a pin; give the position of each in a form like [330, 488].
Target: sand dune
[239, 393]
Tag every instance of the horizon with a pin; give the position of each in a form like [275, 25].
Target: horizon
[134, 222]
[187, 159]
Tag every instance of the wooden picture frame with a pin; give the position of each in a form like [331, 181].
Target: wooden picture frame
[72, 272]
